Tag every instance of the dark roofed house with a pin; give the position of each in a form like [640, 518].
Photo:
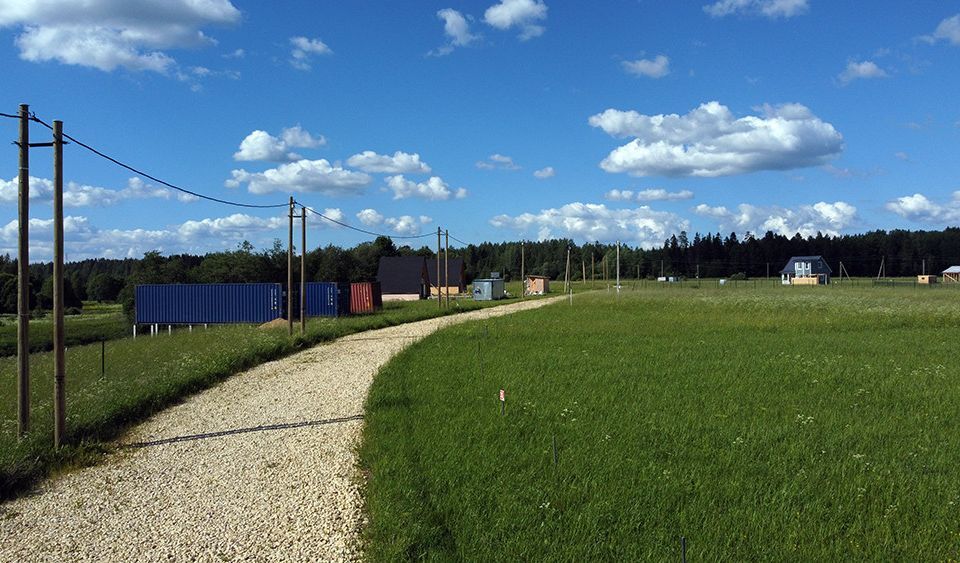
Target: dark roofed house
[806, 270]
[458, 276]
[403, 278]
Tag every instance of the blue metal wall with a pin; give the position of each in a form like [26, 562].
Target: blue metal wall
[328, 299]
[209, 303]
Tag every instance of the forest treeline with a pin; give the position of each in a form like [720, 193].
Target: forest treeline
[902, 253]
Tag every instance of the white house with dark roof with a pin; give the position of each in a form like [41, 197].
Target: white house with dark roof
[806, 270]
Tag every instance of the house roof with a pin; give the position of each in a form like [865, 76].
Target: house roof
[952, 270]
[457, 271]
[817, 265]
[402, 274]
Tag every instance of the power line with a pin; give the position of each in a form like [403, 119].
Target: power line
[359, 230]
[33, 117]
[8, 115]
[460, 241]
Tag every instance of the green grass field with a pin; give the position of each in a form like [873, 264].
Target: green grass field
[798, 424]
[98, 322]
[144, 375]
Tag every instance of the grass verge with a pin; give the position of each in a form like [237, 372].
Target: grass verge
[144, 375]
[780, 424]
[98, 322]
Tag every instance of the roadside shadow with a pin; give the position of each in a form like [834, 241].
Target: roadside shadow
[262, 428]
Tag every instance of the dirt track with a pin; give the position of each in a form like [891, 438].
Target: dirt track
[259, 467]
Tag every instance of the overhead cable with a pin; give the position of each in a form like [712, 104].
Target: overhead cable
[372, 233]
[154, 178]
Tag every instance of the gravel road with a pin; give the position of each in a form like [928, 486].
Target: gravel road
[260, 467]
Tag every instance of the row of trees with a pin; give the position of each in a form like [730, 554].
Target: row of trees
[904, 253]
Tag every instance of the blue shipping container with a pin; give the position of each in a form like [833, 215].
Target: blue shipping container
[328, 299]
[212, 303]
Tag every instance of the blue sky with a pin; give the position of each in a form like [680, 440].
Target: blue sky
[497, 120]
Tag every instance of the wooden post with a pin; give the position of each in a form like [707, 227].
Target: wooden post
[583, 267]
[523, 272]
[618, 266]
[290, 273]
[303, 270]
[593, 268]
[566, 279]
[59, 369]
[446, 265]
[439, 300]
[23, 277]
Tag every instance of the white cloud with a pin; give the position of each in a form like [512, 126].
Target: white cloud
[457, 29]
[497, 161]
[918, 208]
[545, 173]
[235, 54]
[948, 30]
[302, 50]
[370, 217]
[433, 189]
[902, 156]
[827, 218]
[709, 141]
[406, 224]
[260, 145]
[653, 194]
[658, 67]
[770, 8]
[518, 13]
[399, 163]
[106, 34]
[83, 195]
[313, 176]
[84, 240]
[861, 70]
[595, 222]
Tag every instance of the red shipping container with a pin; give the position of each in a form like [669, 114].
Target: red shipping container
[365, 297]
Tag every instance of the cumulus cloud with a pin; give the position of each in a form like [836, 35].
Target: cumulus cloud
[657, 67]
[860, 70]
[399, 163]
[302, 50]
[545, 173]
[84, 195]
[523, 14]
[304, 176]
[456, 27]
[402, 225]
[84, 240]
[653, 194]
[595, 222]
[709, 141]
[433, 189]
[260, 145]
[495, 161]
[370, 217]
[948, 30]
[106, 35]
[769, 8]
[808, 220]
[919, 208]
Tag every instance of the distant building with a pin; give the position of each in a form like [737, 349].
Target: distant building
[536, 285]
[458, 276]
[951, 275]
[806, 270]
[403, 278]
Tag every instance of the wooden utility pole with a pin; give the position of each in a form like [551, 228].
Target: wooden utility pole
[523, 271]
[303, 270]
[439, 297]
[583, 267]
[446, 264]
[618, 266]
[881, 272]
[290, 273]
[566, 279]
[593, 268]
[59, 367]
[23, 277]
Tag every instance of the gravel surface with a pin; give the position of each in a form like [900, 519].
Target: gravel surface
[260, 467]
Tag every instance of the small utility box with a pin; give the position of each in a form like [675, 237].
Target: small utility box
[487, 290]
[926, 280]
